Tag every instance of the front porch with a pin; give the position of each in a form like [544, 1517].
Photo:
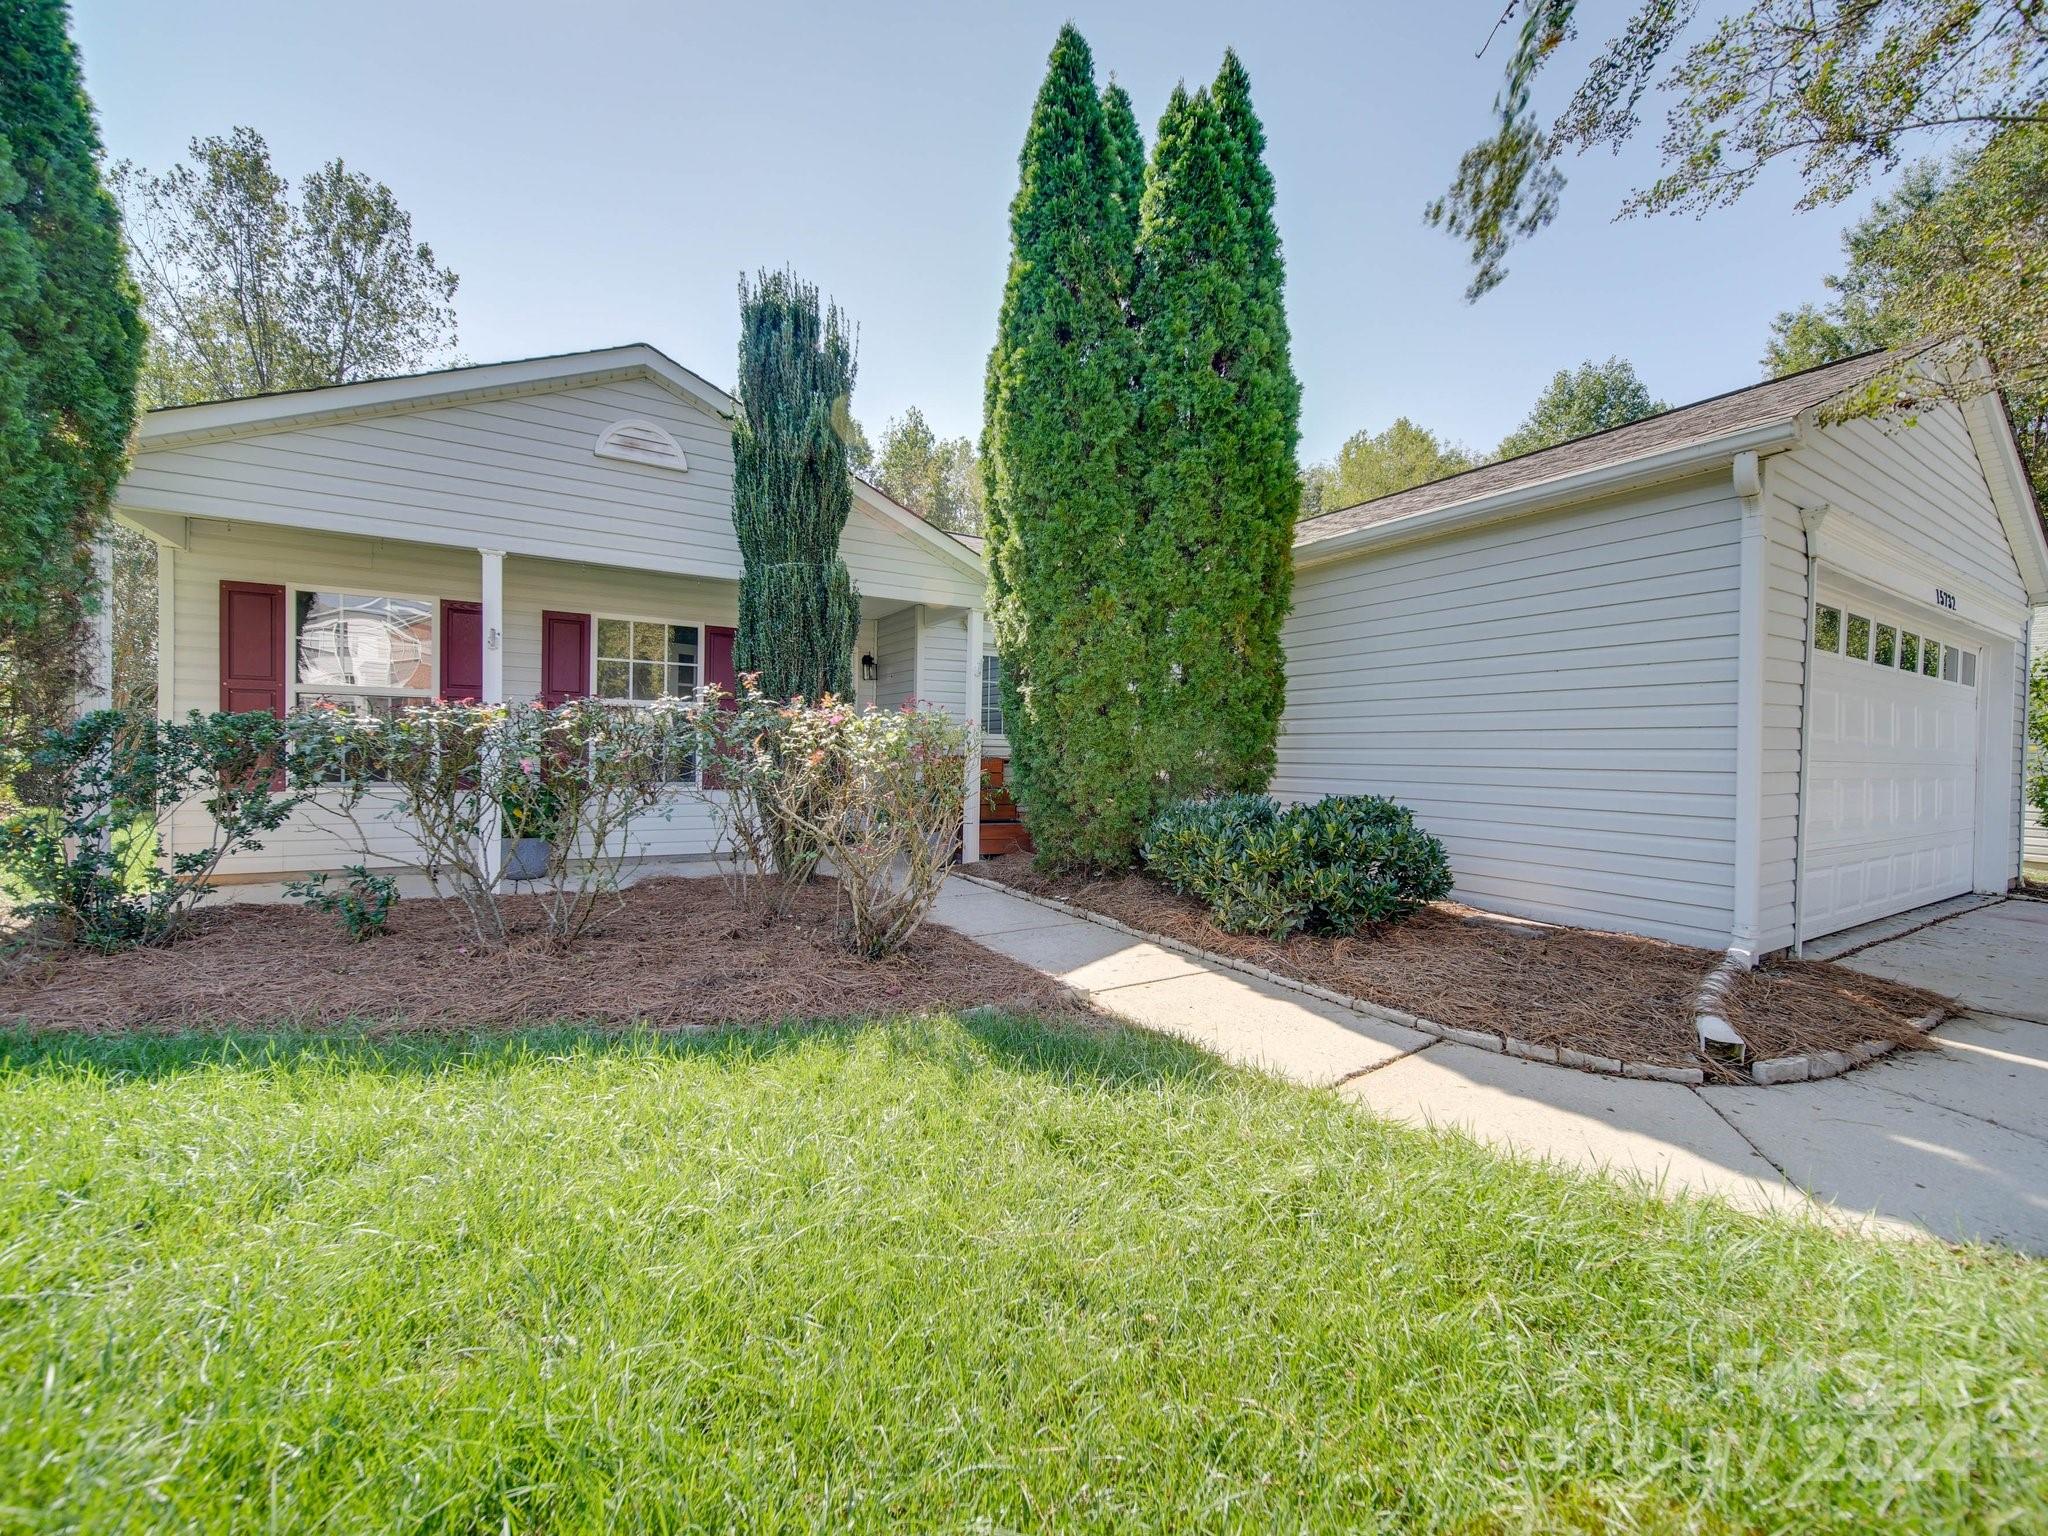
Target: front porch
[258, 616]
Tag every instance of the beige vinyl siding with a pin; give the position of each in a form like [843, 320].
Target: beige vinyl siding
[867, 643]
[896, 660]
[1554, 697]
[1917, 484]
[944, 683]
[891, 562]
[519, 474]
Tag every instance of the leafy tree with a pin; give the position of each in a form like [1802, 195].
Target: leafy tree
[860, 453]
[937, 478]
[790, 493]
[1058, 460]
[247, 291]
[134, 614]
[1375, 464]
[1319, 490]
[1959, 246]
[1589, 398]
[1840, 86]
[1842, 89]
[1220, 426]
[70, 347]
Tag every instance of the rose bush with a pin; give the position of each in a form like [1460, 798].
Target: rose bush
[878, 797]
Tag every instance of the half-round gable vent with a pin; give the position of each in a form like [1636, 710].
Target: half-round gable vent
[640, 442]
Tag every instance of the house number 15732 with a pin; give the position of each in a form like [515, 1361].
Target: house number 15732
[1945, 599]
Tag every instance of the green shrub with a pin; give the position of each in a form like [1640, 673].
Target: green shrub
[363, 904]
[1339, 865]
[451, 780]
[878, 795]
[90, 862]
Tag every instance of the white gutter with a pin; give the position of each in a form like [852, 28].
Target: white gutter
[1521, 500]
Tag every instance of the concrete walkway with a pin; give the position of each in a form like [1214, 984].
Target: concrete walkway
[1949, 1142]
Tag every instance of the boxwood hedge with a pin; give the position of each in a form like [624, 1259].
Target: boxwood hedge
[1336, 866]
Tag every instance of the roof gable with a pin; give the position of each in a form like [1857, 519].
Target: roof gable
[214, 420]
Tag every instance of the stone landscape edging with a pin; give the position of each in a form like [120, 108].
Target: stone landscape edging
[1769, 1071]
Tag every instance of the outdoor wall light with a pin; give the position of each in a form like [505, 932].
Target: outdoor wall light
[867, 669]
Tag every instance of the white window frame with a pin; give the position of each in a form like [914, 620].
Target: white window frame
[1941, 643]
[702, 626]
[292, 685]
[1003, 735]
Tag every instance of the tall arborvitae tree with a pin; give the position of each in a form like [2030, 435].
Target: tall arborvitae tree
[1270, 427]
[1061, 504]
[1122, 122]
[1220, 428]
[799, 613]
[70, 349]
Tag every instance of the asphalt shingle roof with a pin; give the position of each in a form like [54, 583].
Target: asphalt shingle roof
[1758, 405]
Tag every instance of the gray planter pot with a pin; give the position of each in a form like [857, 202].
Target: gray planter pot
[526, 858]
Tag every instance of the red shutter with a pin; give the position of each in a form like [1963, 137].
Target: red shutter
[462, 650]
[251, 647]
[718, 641]
[564, 657]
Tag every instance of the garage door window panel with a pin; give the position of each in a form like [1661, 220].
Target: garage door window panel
[1859, 638]
[1827, 630]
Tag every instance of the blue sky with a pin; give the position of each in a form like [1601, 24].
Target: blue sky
[602, 172]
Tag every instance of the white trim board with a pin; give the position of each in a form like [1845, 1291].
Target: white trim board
[173, 426]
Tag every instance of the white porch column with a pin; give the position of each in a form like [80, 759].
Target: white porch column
[494, 625]
[493, 605]
[166, 631]
[970, 828]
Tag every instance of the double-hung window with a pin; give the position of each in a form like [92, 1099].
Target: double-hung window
[369, 654]
[643, 661]
[640, 661]
[992, 696]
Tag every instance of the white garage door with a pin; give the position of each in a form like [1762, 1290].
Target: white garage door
[1892, 788]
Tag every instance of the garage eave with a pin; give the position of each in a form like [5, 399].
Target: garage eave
[1521, 501]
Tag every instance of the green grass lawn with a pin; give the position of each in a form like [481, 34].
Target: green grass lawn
[956, 1275]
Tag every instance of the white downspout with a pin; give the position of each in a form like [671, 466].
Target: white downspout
[1809, 521]
[1745, 939]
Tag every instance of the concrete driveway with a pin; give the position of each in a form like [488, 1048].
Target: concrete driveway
[1949, 1142]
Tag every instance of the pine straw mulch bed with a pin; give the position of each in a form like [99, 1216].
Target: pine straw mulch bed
[676, 954]
[1606, 994]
